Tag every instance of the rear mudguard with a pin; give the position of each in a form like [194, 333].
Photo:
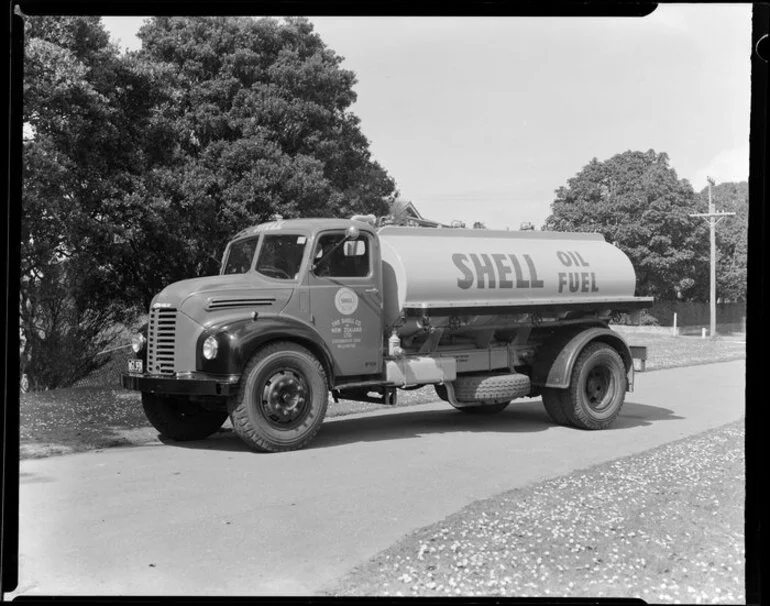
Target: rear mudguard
[555, 359]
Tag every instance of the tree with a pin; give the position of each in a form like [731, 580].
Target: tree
[75, 153]
[636, 201]
[731, 237]
[138, 168]
[255, 121]
[67, 149]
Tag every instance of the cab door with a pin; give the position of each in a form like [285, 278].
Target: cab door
[345, 285]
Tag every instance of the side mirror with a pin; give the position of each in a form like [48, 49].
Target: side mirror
[352, 233]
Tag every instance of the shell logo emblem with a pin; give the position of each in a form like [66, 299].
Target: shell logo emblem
[346, 301]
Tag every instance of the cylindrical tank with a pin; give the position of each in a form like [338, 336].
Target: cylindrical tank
[462, 268]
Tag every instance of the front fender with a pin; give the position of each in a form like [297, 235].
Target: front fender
[556, 357]
[238, 341]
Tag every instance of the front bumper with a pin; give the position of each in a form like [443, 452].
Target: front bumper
[198, 385]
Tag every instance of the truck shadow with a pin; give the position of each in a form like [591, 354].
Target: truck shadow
[411, 424]
[636, 415]
[525, 417]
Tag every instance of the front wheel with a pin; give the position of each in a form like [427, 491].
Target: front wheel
[597, 388]
[179, 419]
[282, 400]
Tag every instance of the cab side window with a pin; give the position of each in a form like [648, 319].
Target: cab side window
[350, 259]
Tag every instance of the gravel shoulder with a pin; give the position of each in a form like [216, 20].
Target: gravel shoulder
[666, 526]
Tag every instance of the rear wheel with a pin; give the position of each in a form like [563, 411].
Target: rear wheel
[282, 400]
[179, 419]
[597, 388]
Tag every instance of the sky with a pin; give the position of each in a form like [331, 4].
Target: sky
[482, 119]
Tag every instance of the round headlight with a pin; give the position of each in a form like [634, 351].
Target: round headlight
[138, 342]
[210, 347]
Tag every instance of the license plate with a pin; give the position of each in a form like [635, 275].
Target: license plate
[136, 366]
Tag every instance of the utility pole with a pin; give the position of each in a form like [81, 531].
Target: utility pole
[713, 217]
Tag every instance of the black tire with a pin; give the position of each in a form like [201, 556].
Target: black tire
[597, 388]
[441, 392]
[491, 388]
[491, 393]
[179, 419]
[282, 399]
[484, 409]
[553, 400]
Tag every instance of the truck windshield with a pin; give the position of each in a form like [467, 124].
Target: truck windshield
[281, 256]
[240, 256]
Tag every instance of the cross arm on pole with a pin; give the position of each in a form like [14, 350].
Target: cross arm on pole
[717, 213]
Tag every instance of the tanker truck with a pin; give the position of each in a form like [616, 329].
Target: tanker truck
[305, 308]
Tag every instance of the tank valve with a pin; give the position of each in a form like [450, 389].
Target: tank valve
[394, 345]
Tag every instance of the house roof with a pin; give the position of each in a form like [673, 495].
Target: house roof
[410, 208]
[413, 216]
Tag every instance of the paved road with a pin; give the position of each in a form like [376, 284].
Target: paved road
[212, 518]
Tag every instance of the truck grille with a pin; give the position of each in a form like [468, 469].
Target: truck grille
[160, 341]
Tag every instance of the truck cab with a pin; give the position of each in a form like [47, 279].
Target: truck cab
[316, 280]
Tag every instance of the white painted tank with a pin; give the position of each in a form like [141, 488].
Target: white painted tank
[461, 268]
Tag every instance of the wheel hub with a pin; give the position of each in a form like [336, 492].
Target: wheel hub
[284, 397]
[597, 388]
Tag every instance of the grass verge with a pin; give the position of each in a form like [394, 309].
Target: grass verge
[91, 417]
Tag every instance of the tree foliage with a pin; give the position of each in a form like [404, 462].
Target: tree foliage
[75, 151]
[636, 200]
[138, 167]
